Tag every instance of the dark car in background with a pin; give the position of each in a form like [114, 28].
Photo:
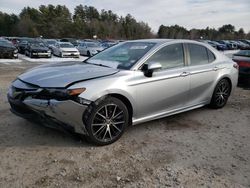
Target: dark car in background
[37, 49]
[242, 58]
[219, 46]
[108, 44]
[22, 44]
[230, 46]
[50, 42]
[7, 49]
[242, 45]
[71, 40]
[245, 41]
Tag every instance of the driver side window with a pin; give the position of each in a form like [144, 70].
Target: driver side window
[170, 56]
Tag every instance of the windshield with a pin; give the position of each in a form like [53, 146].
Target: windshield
[5, 43]
[92, 44]
[37, 45]
[66, 45]
[122, 56]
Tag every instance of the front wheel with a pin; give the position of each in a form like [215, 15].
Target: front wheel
[88, 54]
[221, 94]
[106, 121]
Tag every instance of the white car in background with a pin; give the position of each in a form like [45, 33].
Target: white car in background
[65, 49]
[89, 48]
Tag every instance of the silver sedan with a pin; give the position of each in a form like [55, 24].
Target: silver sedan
[127, 84]
[89, 48]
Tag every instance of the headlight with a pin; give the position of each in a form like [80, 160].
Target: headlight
[48, 51]
[15, 51]
[60, 94]
[75, 92]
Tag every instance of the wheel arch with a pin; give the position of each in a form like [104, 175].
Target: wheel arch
[227, 77]
[127, 103]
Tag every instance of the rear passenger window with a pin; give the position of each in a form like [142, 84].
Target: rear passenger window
[211, 56]
[198, 54]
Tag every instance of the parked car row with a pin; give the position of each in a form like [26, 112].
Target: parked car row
[38, 47]
[229, 44]
[70, 47]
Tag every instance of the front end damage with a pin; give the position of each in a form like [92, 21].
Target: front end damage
[48, 106]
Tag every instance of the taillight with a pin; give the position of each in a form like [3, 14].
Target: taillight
[244, 64]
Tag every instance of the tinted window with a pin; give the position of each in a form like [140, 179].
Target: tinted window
[198, 54]
[169, 57]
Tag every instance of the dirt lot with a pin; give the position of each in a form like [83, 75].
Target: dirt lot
[200, 148]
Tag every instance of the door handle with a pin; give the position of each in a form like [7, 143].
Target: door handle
[184, 74]
[215, 68]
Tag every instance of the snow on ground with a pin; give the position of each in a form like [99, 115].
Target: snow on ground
[24, 59]
[10, 61]
[52, 59]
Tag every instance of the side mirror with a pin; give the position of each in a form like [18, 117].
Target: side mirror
[150, 68]
[154, 66]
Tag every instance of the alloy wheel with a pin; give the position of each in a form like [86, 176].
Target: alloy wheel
[108, 123]
[222, 93]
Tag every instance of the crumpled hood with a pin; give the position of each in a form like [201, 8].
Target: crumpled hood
[60, 75]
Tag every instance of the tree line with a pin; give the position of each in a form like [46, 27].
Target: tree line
[86, 21]
[57, 22]
[227, 31]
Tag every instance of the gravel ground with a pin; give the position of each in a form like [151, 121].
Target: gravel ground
[200, 148]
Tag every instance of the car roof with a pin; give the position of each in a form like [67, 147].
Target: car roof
[160, 42]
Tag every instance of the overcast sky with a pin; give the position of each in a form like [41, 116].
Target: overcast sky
[188, 13]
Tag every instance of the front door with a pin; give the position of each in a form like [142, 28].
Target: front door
[167, 89]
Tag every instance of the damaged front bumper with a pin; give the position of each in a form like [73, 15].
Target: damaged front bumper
[66, 114]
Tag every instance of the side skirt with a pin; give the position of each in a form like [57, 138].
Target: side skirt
[167, 113]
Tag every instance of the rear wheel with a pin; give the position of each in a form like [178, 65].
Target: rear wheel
[221, 93]
[107, 121]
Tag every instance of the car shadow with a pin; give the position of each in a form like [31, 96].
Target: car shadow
[244, 84]
[18, 132]
[23, 133]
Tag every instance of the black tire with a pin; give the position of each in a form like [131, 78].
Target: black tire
[30, 55]
[106, 121]
[221, 94]
[88, 54]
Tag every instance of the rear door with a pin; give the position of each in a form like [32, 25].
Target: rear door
[203, 73]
